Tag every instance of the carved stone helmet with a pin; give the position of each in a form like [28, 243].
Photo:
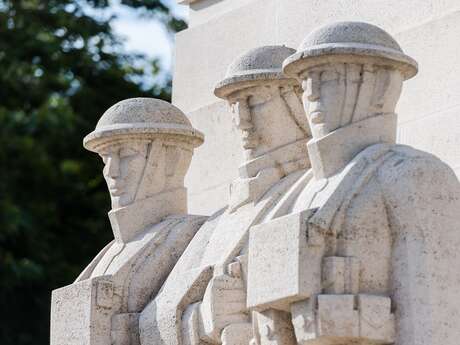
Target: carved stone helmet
[142, 118]
[355, 42]
[263, 63]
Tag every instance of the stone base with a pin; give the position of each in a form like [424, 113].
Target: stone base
[344, 319]
[81, 313]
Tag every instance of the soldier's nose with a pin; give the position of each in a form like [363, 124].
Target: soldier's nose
[242, 116]
[311, 87]
[113, 166]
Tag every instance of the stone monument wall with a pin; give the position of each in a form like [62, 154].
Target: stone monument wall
[220, 30]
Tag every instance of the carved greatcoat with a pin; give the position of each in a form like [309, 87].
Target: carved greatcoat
[397, 211]
[102, 305]
[392, 207]
[219, 241]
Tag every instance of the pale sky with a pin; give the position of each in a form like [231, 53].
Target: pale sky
[146, 35]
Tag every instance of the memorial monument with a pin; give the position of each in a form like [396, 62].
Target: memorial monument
[146, 145]
[333, 234]
[268, 112]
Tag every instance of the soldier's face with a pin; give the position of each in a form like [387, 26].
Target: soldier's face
[323, 97]
[242, 118]
[124, 166]
[264, 119]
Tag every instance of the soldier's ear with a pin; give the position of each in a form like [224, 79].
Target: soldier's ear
[293, 99]
[153, 178]
[387, 89]
[353, 84]
[178, 161]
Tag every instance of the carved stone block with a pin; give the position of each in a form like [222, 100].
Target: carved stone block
[104, 294]
[282, 267]
[304, 320]
[125, 329]
[375, 319]
[336, 316]
[334, 275]
[223, 303]
[344, 319]
[237, 334]
[81, 313]
[190, 325]
[340, 275]
[273, 327]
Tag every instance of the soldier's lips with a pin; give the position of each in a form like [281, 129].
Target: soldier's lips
[117, 191]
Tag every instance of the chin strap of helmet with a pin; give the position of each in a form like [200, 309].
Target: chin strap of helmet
[153, 177]
[295, 110]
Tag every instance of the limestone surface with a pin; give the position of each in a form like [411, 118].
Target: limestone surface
[204, 299]
[146, 146]
[219, 31]
[388, 209]
[332, 234]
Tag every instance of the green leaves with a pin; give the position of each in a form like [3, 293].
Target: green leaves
[60, 69]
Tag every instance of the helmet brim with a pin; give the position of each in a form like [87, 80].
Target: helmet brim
[239, 82]
[352, 52]
[108, 134]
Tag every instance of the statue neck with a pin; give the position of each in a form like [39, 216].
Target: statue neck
[331, 153]
[258, 175]
[130, 221]
[287, 158]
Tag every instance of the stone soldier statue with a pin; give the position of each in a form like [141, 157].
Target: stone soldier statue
[146, 145]
[377, 261]
[204, 298]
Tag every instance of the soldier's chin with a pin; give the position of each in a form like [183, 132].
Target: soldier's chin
[120, 201]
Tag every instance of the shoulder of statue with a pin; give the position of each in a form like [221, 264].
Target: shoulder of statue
[202, 227]
[409, 169]
[89, 269]
[185, 226]
[211, 221]
[188, 219]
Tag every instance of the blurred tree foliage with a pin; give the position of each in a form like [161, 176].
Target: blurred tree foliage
[61, 67]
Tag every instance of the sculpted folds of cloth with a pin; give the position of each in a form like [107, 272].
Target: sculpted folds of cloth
[378, 246]
[204, 297]
[333, 234]
[146, 146]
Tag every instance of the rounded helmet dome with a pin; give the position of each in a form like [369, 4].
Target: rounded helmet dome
[141, 117]
[262, 63]
[350, 39]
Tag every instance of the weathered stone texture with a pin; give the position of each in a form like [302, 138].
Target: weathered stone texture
[146, 146]
[222, 30]
[332, 233]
